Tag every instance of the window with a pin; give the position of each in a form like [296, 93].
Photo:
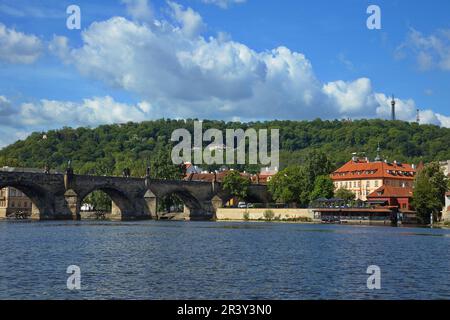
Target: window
[376, 183]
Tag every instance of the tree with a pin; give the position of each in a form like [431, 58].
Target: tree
[323, 188]
[236, 184]
[301, 143]
[291, 186]
[317, 164]
[99, 200]
[345, 194]
[161, 166]
[430, 186]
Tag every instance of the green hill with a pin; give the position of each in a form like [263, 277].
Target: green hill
[108, 149]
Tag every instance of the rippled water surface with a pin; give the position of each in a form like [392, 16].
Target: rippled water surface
[208, 260]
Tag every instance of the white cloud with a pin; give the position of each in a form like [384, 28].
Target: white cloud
[444, 120]
[18, 47]
[432, 51]
[407, 110]
[94, 111]
[223, 3]
[182, 74]
[5, 107]
[139, 10]
[351, 98]
[26, 117]
[191, 22]
[179, 73]
[59, 46]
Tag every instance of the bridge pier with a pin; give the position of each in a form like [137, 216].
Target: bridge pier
[151, 203]
[72, 204]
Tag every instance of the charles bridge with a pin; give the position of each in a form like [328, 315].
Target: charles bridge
[57, 196]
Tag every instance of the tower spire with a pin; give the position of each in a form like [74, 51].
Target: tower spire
[393, 108]
[378, 157]
[418, 116]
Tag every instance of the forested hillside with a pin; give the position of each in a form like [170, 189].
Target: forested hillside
[108, 149]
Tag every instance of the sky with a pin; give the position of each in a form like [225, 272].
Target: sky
[239, 60]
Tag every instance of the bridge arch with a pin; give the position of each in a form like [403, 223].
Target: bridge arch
[122, 206]
[192, 205]
[42, 204]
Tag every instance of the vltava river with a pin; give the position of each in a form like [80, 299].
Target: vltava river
[208, 260]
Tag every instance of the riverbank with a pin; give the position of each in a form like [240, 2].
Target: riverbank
[263, 214]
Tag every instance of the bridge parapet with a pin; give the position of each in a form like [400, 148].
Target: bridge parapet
[59, 196]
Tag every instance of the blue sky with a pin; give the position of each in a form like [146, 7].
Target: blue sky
[135, 60]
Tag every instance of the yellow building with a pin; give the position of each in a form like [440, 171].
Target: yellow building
[13, 201]
[363, 177]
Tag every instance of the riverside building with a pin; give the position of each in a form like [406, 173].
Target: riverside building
[364, 177]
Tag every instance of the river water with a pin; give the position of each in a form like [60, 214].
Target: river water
[221, 260]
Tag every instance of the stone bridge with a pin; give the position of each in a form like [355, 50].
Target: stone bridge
[60, 196]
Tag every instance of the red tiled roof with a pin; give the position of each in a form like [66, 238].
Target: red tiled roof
[391, 192]
[373, 170]
[447, 194]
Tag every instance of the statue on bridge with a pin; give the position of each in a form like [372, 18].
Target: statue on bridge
[126, 173]
[69, 169]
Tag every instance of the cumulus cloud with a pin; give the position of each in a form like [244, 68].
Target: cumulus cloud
[351, 98]
[191, 21]
[407, 110]
[430, 51]
[94, 111]
[183, 74]
[223, 3]
[18, 47]
[195, 76]
[139, 10]
[17, 120]
[179, 74]
[5, 107]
